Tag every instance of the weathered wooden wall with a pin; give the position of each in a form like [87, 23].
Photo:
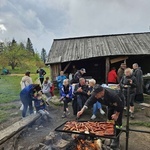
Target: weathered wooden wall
[55, 70]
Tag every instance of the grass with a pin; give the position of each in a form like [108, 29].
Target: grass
[8, 107]
[19, 70]
[10, 89]
[146, 98]
[145, 124]
[3, 116]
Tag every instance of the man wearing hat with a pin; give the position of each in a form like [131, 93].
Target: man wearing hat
[78, 75]
[115, 103]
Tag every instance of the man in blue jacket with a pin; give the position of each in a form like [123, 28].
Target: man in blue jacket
[60, 80]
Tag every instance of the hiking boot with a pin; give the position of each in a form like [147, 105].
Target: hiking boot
[115, 143]
[64, 115]
[93, 117]
[132, 116]
[68, 113]
[102, 112]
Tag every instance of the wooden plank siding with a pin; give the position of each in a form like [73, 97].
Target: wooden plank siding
[72, 49]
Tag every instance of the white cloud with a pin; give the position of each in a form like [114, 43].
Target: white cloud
[2, 28]
[43, 20]
[90, 17]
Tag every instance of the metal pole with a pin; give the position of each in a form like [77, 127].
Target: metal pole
[141, 131]
[127, 124]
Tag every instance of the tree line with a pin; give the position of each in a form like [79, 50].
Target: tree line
[16, 54]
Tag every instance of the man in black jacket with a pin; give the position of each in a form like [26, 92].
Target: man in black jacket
[114, 101]
[137, 72]
[80, 95]
[41, 73]
[78, 75]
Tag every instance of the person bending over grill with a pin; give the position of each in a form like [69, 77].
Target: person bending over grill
[114, 101]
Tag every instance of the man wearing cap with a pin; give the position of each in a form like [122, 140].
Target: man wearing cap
[78, 75]
[115, 104]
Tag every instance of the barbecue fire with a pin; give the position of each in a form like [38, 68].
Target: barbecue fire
[88, 145]
[82, 143]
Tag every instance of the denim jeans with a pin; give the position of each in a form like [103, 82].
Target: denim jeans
[96, 106]
[26, 101]
[80, 101]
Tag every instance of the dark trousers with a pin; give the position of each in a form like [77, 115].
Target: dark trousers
[66, 101]
[26, 102]
[131, 99]
[74, 106]
[41, 80]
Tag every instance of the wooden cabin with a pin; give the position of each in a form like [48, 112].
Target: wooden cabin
[98, 53]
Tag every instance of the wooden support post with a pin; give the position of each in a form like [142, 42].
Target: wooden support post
[67, 66]
[107, 69]
[55, 70]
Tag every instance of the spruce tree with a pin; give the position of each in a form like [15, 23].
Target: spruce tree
[43, 55]
[22, 45]
[29, 46]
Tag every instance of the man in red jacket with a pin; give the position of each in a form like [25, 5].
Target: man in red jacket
[112, 76]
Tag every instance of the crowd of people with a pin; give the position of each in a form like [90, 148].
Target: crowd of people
[83, 93]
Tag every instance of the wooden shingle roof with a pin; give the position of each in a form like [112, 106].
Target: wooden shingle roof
[71, 49]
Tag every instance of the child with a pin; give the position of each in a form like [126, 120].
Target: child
[40, 107]
[46, 87]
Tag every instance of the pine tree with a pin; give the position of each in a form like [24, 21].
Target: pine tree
[13, 42]
[29, 46]
[43, 55]
[22, 45]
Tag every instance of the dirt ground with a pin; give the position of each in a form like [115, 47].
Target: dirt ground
[36, 134]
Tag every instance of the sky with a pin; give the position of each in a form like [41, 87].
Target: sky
[45, 20]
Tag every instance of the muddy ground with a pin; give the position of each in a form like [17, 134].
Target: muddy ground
[36, 134]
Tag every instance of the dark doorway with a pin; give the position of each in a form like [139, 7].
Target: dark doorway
[95, 68]
[143, 62]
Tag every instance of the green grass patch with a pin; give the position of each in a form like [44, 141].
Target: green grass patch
[10, 85]
[3, 116]
[9, 89]
[8, 107]
[22, 70]
[145, 124]
[56, 93]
